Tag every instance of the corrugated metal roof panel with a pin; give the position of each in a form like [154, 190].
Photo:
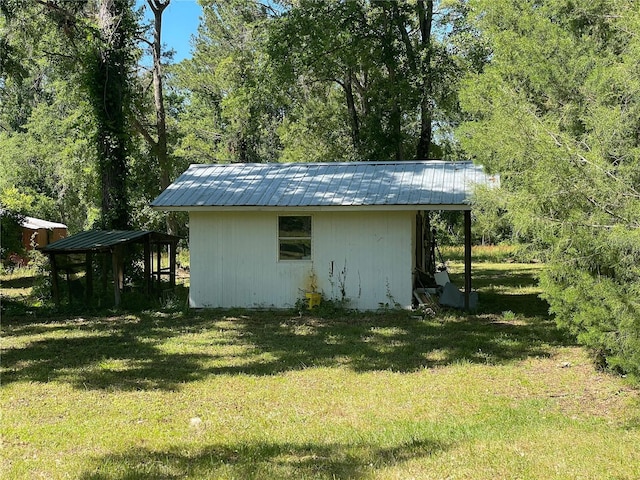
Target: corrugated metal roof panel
[94, 240]
[403, 183]
[104, 240]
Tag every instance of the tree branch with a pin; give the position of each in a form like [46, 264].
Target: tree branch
[141, 129]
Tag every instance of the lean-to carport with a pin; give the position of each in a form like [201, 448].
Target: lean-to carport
[111, 244]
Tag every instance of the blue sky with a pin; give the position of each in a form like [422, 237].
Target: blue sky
[179, 23]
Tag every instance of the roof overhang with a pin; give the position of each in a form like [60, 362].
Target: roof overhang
[310, 208]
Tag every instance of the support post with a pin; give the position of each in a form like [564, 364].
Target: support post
[117, 274]
[54, 279]
[159, 264]
[147, 265]
[172, 247]
[467, 258]
[89, 276]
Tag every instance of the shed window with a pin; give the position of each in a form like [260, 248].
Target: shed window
[294, 237]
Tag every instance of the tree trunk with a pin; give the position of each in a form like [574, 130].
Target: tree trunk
[425, 17]
[158, 6]
[353, 112]
[108, 87]
[395, 112]
[160, 146]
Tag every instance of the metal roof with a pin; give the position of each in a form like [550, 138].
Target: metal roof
[33, 223]
[103, 240]
[37, 223]
[402, 184]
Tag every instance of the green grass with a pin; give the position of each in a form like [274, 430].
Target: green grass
[499, 394]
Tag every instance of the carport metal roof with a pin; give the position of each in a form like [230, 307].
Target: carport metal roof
[105, 240]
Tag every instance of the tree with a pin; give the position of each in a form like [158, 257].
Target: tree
[108, 67]
[557, 114]
[47, 163]
[10, 233]
[159, 145]
[393, 61]
[233, 110]
[425, 22]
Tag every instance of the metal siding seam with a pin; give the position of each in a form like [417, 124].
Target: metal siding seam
[296, 191]
[448, 183]
[171, 195]
[327, 178]
[434, 174]
[222, 194]
[307, 196]
[416, 191]
[356, 182]
[373, 188]
[406, 184]
[184, 185]
[190, 191]
[272, 194]
[288, 178]
[341, 198]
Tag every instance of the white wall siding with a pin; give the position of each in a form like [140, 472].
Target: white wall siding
[367, 253]
[234, 259]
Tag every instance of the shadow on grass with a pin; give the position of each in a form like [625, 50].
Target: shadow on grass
[132, 352]
[21, 281]
[394, 342]
[260, 460]
[513, 290]
[98, 353]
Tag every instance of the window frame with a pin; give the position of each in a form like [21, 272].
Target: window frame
[294, 239]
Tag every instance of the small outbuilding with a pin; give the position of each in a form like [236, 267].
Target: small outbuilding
[75, 259]
[263, 235]
[40, 233]
[35, 232]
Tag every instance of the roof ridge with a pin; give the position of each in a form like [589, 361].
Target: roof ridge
[355, 163]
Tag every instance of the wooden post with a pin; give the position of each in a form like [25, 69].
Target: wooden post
[89, 276]
[172, 263]
[54, 279]
[419, 242]
[467, 258]
[116, 265]
[159, 263]
[147, 265]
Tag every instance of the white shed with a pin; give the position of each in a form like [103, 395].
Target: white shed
[261, 234]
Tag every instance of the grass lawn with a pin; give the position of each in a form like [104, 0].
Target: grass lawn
[169, 394]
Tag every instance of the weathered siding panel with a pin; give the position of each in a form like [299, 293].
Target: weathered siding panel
[363, 256]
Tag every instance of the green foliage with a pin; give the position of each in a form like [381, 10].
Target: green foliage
[490, 216]
[592, 287]
[315, 128]
[232, 109]
[48, 166]
[556, 113]
[10, 232]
